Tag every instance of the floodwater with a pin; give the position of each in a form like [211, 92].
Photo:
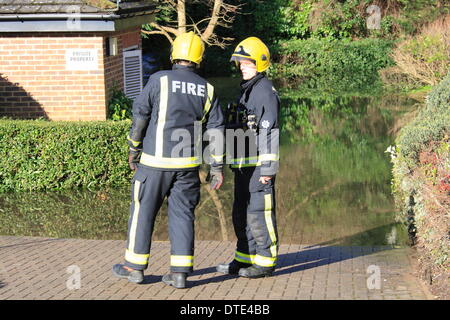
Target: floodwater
[333, 185]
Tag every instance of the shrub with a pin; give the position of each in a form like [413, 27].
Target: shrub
[421, 182]
[425, 58]
[430, 125]
[43, 155]
[120, 106]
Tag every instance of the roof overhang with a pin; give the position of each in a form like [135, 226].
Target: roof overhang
[73, 22]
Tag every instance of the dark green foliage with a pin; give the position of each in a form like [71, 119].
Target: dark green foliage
[42, 155]
[334, 65]
[280, 20]
[120, 106]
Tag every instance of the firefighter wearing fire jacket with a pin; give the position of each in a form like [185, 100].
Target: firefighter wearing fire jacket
[168, 117]
[254, 196]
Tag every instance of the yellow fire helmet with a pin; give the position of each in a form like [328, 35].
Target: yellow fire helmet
[255, 50]
[187, 46]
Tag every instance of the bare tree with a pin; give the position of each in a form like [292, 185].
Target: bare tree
[221, 14]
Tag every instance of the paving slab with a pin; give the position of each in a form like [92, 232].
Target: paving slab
[79, 269]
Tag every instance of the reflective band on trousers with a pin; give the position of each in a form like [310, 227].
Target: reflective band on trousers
[136, 258]
[265, 261]
[243, 257]
[130, 256]
[269, 223]
[262, 260]
[134, 221]
[181, 261]
[164, 162]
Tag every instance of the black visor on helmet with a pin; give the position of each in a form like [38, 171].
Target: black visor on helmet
[238, 59]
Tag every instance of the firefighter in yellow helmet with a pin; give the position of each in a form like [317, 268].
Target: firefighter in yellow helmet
[254, 169]
[171, 105]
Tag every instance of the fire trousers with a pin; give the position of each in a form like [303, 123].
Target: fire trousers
[149, 188]
[254, 219]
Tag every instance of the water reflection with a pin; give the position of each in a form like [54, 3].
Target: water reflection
[333, 186]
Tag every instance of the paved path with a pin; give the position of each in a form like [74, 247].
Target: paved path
[44, 268]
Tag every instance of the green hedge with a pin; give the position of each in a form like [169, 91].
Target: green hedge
[46, 155]
[432, 122]
[345, 63]
[429, 131]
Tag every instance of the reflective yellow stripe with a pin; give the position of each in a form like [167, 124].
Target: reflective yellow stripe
[248, 159]
[218, 158]
[208, 101]
[181, 261]
[269, 223]
[163, 101]
[244, 162]
[265, 261]
[136, 258]
[137, 205]
[135, 143]
[169, 163]
[243, 257]
[268, 157]
[253, 161]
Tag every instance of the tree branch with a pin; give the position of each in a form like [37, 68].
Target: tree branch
[213, 22]
[222, 14]
[164, 30]
[181, 13]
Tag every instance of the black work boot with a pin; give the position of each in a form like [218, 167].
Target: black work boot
[232, 268]
[175, 279]
[254, 272]
[135, 276]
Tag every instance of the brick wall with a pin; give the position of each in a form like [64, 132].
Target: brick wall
[34, 81]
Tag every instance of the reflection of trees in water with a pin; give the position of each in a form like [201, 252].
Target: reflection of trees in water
[333, 183]
[213, 213]
[318, 115]
[336, 175]
[308, 210]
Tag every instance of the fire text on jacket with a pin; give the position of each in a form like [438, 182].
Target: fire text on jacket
[188, 88]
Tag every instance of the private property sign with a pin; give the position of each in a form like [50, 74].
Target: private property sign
[81, 59]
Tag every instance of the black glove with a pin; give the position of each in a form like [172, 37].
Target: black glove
[134, 156]
[216, 179]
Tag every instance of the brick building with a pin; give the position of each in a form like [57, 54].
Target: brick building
[61, 59]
